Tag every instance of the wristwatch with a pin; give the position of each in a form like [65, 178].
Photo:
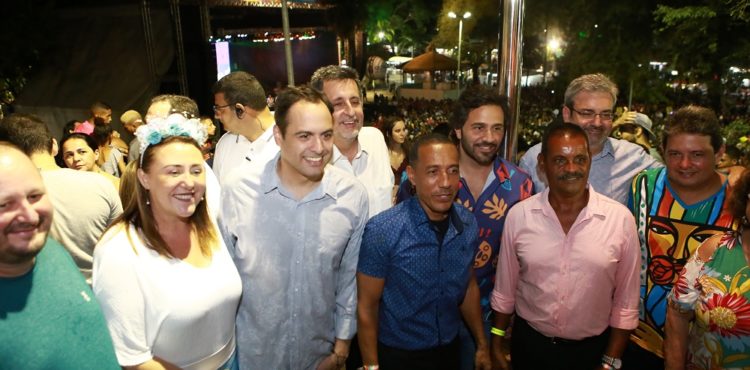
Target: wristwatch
[611, 362]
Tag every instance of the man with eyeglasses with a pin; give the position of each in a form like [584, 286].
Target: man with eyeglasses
[589, 103]
[240, 105]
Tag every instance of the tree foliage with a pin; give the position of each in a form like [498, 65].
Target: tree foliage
[25, 36]
[703, 39]
[407, 25]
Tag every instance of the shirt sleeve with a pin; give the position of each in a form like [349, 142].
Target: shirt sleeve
[119, 294]
[373, 259]
[346, 285]
[686, 291]
[624, 314]
[115, 205]
[226, 218]
[528, 164]
[134, 150]
[503, 297]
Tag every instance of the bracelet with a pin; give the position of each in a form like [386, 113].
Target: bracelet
[369, 367]
[498, 332]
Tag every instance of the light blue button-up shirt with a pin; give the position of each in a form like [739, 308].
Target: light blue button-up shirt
[297, 261]
[612, 170]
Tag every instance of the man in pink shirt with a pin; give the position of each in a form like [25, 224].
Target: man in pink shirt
[568, 267]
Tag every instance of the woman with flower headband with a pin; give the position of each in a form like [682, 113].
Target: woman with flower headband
[713, 292]
[165, 280]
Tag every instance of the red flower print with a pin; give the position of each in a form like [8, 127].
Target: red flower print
[729, 315]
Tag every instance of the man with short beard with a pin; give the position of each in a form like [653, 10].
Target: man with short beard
[50, 319]
[490, 186]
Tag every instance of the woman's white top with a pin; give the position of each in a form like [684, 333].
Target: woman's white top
[164, 307]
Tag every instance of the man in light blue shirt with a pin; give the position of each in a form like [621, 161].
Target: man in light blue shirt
[589, 103]
[294, 227]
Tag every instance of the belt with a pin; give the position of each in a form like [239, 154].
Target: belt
[559, 340]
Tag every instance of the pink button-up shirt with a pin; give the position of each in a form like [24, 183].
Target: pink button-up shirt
[570, 285]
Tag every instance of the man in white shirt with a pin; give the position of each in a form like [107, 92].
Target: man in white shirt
[294, 226]
[358, 150]
[240, 105]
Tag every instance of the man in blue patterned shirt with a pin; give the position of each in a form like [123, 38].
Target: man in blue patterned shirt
[489, 186]
[414, 278]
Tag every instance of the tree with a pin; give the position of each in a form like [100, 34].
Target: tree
[705, 39]
[348, 18]
[480, 31]
[25, 38]
[407, 25]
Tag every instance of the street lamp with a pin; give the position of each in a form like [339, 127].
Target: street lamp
[460, 34]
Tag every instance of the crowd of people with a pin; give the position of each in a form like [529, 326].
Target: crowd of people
[303, 239]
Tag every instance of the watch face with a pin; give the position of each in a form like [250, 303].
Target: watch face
[616, 363]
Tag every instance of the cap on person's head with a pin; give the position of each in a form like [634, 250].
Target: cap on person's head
[645, 122]
[130, 116]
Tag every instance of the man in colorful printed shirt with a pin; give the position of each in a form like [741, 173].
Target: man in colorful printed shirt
[489, 186]
[676, 208]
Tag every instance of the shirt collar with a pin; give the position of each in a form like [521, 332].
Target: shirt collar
[420, 216]
[270, 181]
[337, 153]
[266, 135]
[607, 149]
[593, 207]
[501, 171]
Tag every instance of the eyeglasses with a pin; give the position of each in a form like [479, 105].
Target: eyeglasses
[218, 107]
[589, 115]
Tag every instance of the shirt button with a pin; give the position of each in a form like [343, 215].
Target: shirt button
[296, 290]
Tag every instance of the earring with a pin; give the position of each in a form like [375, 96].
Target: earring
[148, 202]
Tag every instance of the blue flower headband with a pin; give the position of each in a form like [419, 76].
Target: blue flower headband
[158, 129]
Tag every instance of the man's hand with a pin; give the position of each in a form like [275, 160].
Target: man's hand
[626, 117]
[482, 359]
[499, 357]
[332, 362]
